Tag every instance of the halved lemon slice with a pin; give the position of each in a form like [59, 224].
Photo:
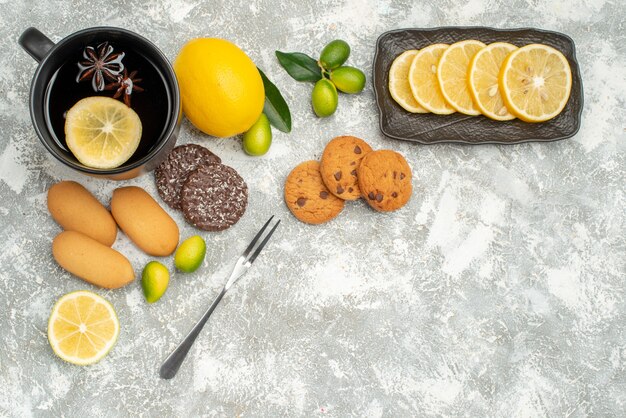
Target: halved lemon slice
[535, 81]
[452, 75]
[102, 132]
[82, 328]
[399, 82]
[423, 80]
[483, 76]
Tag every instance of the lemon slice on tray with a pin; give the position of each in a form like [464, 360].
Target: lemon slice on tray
[399, 86]
[423, 80]
[102, 132]
[82, 328]
[452, 75]
[483, 76]
[536, 82]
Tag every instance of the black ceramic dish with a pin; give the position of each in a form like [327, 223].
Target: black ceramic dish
[428, 128]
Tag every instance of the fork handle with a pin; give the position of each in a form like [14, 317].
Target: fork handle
[172, 363]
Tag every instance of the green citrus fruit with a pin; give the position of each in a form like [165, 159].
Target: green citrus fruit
[190, 254]
[334, 54]
[154, 281]
[348, 79]
[258, 139]
[324, 98]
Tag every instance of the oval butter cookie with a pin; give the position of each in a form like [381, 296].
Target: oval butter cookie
[144, 221]
[75, 209]
[308, 198]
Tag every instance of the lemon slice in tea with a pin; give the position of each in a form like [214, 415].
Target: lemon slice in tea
[102, 132]
[82, 328]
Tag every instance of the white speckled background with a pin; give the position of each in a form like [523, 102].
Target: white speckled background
[498, 291]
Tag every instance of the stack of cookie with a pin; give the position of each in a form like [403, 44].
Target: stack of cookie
[349, 169]
[211, 195]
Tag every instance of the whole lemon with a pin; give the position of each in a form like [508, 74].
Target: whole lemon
[221, 88]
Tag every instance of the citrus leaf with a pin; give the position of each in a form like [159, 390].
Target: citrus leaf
[275, 107]
[299, 66]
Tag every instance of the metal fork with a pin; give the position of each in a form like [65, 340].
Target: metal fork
[172, 363]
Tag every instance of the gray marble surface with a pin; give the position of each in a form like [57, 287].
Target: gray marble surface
[498, 291]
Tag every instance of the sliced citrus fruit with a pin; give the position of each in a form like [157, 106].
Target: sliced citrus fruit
[82, 328]
[452, 75]
[483, 76]
[399, 86]
[102, 132]
[535, 81]
[423, 80]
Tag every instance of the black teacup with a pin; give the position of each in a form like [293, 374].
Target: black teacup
[56, 88]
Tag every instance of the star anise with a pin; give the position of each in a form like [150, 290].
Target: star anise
[125, 84]
[100, 64]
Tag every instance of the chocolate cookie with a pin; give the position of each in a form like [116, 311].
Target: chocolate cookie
[214, 197]
[385, 180]
[173, 172]
[339, 164]
[307, 197]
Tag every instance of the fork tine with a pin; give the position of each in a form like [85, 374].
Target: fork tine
[262, 244]
[256, 238]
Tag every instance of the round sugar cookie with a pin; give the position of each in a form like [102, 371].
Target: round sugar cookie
[308, 198]
[339, 164]
[385, 180]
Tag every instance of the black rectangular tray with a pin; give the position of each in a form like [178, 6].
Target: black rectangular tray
[429, 128]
